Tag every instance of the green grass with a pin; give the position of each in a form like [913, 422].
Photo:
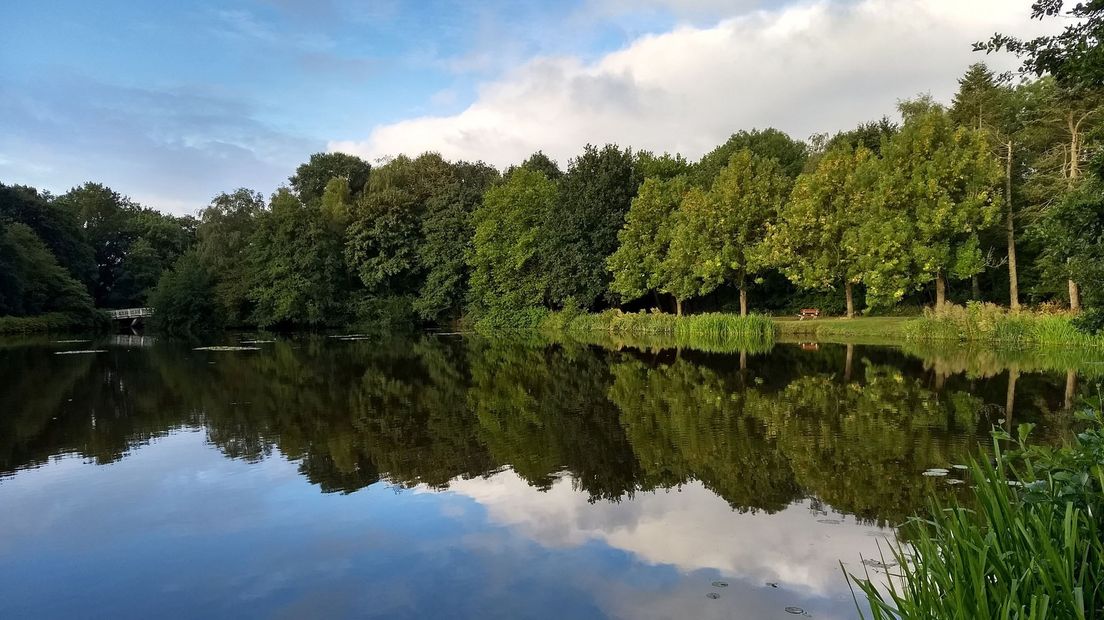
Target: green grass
[1027, 542]
[709, 331]
[859, 330]
[977, 322]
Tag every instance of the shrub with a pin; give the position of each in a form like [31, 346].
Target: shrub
[1090, 321]
[53, 322]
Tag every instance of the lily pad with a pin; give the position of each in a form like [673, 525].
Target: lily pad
[720, 584]
[713, 595]
[797, 611]
[257, 341]
[71, 341]
[829, 521]
[80, 352]
[959, 467]
[936, 472]
[954, 481]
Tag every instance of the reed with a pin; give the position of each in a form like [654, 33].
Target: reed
[979, 322]
[710, 331]
[1027, 543]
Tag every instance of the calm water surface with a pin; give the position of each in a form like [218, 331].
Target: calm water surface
[463, 477]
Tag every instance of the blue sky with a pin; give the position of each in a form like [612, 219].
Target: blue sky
[153, 97]
[174, 102]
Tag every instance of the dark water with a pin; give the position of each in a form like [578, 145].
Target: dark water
[463, 477]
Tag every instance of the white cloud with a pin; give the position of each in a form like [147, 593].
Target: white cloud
[691, 528]
[820, 66]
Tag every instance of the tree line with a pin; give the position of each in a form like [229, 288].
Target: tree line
[997, 196]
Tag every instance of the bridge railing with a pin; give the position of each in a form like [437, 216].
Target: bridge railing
[131, 313]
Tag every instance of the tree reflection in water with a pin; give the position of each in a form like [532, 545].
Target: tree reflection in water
[849, 426]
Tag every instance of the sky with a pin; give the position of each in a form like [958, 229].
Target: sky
[172, 103]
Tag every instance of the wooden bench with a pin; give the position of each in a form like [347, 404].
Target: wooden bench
[808, 313]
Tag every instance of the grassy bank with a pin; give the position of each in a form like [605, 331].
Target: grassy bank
[1027, 541]
[984, 324]
[710, 331]
[862, 330]
[977, 322]
[53, 322]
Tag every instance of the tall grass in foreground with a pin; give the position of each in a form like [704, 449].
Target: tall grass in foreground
[977, 322]
[1028, 544]
[710, 331]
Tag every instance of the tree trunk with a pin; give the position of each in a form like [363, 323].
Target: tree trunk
[940, 291]
[1010, 230]
[743, 359]
[1071, 387]
[1010, 398]
[1075, 148]
[847, 363]
[975, 288]
[850, 299]
[1075, 296]
[1074, 174]
[678, 307]
[743, 301]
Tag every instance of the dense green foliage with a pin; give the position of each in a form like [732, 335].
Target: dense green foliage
[507, 278]
[185, 300]
[1028, 543]
[996, 198]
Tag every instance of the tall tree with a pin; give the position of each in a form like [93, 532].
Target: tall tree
[945, 179]
[692, 245]
[447, 231]
[643, 243]
[296, 273]
[184, 301]
[55, 225]
[770, 143]
[138, 274]
[382, 243]
[1060, 123]
[812, 242]
[1072, 234]
[310, 179]
[384, 238]
[225, 230]
[105, 217]
[31, 281]
[983, 104]
[594, 195]
[506, 275]
[719, 235]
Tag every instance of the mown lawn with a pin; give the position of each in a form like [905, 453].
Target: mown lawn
[871, 330]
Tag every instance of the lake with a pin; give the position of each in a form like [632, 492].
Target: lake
[456, 476]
